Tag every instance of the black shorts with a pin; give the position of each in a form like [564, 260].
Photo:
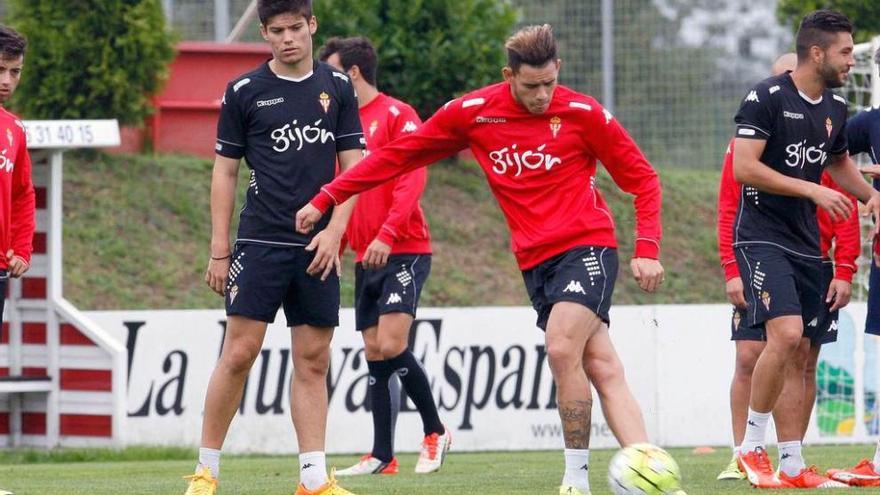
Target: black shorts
[872, 319]
[264, 278]
[394, 288]
[583, 275]
[740, 331]
[777, 284]
[821, 330]
[824, 331]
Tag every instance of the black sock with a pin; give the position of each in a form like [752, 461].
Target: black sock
[417, 387]
[381, 401]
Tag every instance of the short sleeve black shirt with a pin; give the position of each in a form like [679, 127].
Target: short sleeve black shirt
[801, 136]
[289, 132]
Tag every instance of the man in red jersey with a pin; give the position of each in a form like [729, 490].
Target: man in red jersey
[538, 144]
[389, 235]
[17, 220]
[796, 402]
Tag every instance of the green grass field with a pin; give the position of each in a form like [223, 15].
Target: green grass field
[159, 471]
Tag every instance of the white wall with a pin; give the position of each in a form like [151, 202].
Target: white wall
[487, 369]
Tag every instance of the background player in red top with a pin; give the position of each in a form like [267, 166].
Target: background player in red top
[389, 235]
[538, 144]
[17, 201]
[750, 340]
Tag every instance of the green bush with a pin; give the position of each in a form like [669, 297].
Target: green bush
[429, 50]
[91, 58]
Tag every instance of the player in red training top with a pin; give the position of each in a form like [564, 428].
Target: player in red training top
[389, 235]
[800, 384]
[17, 215]
[538, 144]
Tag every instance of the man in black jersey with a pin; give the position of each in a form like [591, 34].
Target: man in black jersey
[290, 118]
[789, 129]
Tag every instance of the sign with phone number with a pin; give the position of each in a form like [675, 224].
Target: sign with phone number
[43, 134]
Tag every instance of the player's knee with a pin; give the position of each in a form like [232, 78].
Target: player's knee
[392, 348]
[785, 341]
[373, 352]
[604, 371]
[239, 357]
[313, 361]
[562, 356]
[743, 369]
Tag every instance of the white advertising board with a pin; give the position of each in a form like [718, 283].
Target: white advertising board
[487, 366]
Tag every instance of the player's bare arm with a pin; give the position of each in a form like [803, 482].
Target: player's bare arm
[843, 170]
[325, 244]
[223, 182]
[748, 169]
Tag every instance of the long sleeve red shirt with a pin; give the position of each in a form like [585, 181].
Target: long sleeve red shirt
[541, 169]
[391, 211]
[17, 200]
[844, 234]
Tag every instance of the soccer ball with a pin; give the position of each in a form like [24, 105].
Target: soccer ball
[644, 469]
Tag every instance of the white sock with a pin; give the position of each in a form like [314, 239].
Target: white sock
[756, 429]
[210, 458]
[577, 469]
[877, 458]
[736, 450]
[312, 470]
[791, 460]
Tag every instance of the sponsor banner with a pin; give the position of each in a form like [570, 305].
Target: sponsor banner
[487, 366]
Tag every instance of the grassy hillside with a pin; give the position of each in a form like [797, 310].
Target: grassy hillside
[137, 229]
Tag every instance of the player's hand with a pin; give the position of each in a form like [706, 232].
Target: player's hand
[837, 205]
[872, 207]
[735, 292]
[325, 244]
[306, 218]
[376, 255]
[872, 170]
[217, 274]
[648, 273]
[839, 293]
[17, 264]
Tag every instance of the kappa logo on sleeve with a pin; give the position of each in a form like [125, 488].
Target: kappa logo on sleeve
[752, 97]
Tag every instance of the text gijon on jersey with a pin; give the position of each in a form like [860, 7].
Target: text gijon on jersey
[511, 158]
[293, 134]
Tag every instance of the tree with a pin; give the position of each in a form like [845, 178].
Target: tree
[865, 14]
[429, 50]
[91, 58]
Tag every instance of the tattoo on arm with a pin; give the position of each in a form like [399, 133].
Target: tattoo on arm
[576, 417]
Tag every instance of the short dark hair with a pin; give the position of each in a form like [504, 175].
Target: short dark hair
[12, 43]
[267, 9]
[818, 29]
[353, 51]
[531, 45]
